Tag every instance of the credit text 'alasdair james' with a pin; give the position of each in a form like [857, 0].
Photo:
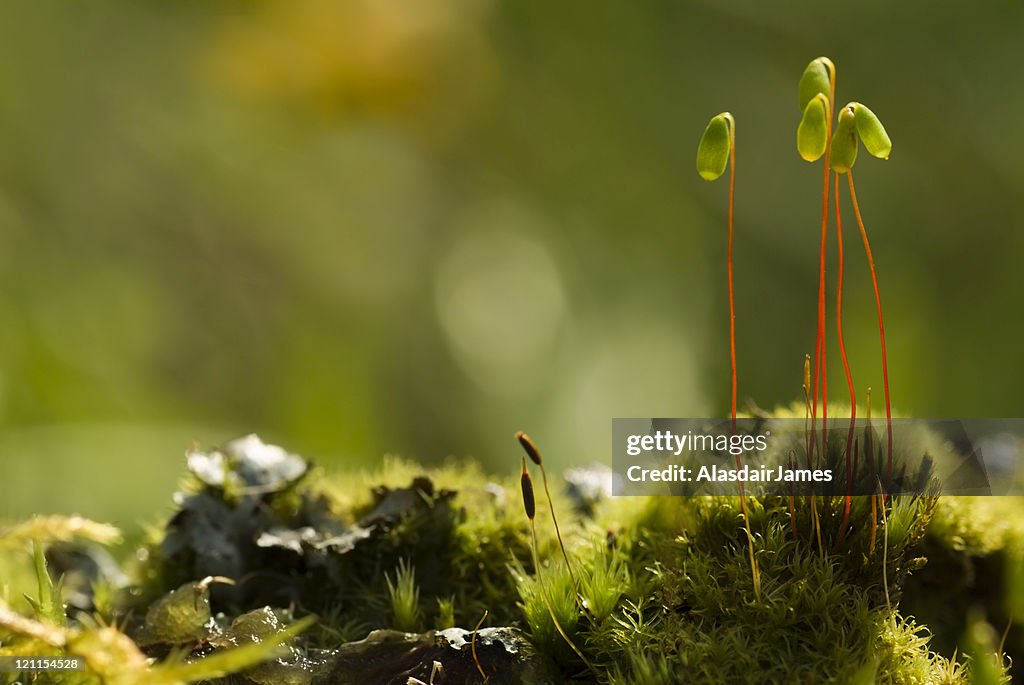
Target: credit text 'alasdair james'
[713, 473]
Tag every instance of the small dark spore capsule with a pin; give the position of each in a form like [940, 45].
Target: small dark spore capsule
[528, 501]
[531, 449]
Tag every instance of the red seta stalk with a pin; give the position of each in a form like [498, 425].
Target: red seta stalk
[881, 325]
[732, 356]
[846, 366]
[820, 359]
[732, 307]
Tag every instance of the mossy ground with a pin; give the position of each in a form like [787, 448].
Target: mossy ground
[664, 593]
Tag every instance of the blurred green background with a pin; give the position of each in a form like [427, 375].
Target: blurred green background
[374, 226]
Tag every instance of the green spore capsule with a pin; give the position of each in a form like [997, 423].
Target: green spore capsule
[812, 134]
[844, 142]
[872, 133]
[714, 147]
[816, 79]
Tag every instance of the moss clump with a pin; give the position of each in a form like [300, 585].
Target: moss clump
[818, 618]
[663, 589]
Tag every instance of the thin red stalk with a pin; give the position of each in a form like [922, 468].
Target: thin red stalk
[807, 435]
[881, 324]
[732, 308]
[824, 233]
[820, 359]
[807, 404]
[732, 355]
[824, 377]
[846, 365]
[869, 456]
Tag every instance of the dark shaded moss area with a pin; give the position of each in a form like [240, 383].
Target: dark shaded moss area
[294, 542]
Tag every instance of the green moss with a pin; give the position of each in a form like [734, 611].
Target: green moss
[972, 547]
[817, 617]
[664, 590]
[405, 598]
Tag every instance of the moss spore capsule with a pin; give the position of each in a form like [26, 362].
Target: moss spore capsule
[530, 447]
[816, 79]
[528, 501]
[713, 149]
[872, 133]
[844, 142]
[812, 134]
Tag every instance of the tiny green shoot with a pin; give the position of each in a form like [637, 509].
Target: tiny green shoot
[405, 597]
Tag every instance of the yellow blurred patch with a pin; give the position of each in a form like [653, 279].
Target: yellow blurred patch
[376, 57]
